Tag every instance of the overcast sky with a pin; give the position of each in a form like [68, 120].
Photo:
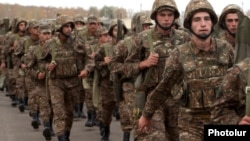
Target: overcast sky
[136, 5]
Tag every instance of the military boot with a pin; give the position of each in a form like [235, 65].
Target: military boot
[106, 133]
[126, 136]
[34, 122]
[76, 111]
[21, 105]
[67, 135]
[61, 138]
[14, 100]
[46, 131]
[90, 121]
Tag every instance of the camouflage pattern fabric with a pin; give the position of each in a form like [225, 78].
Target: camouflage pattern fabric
[232, 94]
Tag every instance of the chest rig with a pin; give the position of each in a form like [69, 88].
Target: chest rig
[203, 74]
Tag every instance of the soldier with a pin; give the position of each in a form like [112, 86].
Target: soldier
[79, 23]
[199, 66]
[107, 99]
[37, 58]
[9, 60]
[139, 23]
[233, 94]
[228, 22]
[24, 84]
[145, 65]
[68, 63]
[89, 37]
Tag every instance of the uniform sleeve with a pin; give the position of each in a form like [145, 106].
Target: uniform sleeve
[228, 104]
[134, 58]
[172, 75]
[116, 64]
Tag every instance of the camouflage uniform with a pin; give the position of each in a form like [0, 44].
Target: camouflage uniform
[8, 57]
[225, 33]
[107, 101]
[37, 59]
[116, 65]
[89, 40]
[70, 58]
[24, 84]
[232, 94]
[199, 73]
[164, 123]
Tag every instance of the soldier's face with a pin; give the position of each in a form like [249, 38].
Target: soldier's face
[92, 27]
[104, 38]
[201, 24]
[232, 21]
[165, 18]
[67, 29]
[22, 26]
[78, 25]
[34, 30]
[44, 36]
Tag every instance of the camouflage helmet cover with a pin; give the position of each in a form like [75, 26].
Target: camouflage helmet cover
[134, 19]
[231, 8]
[196, 6]
[63, 20]
[101, 31]
[113, 23]
[79, 18]
[33, 23]
[16, 21]
[164, 4]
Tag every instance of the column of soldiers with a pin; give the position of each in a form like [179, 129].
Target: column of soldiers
[166, 83]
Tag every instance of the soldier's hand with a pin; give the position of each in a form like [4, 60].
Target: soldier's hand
[3, 65]
[152, 60]
[41, 75]
[92, 56]
[245, 121]
[83, 73]
[107, 60]
[143, 124]
[23, 66]
[51, 67]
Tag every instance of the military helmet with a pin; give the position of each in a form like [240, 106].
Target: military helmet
[134, 20]
[79, 18]
[231, 8]
[15, 23]
[101, 31]
[62, 20]
[164, 4]
[195, 6]
[33, 23]
[112, 24]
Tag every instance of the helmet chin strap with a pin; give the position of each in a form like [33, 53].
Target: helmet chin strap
[164, 28]
[202, 37]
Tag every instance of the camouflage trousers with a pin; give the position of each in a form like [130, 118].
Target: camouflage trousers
[42, 101]
[20, 85]
[106, 104]
[126, 106]
[11, 81]
[191, 123]
[88, 95]
[32, 101]
[164, 124]
[62, 93]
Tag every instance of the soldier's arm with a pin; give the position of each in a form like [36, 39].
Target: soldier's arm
[99, 59]
[228, 99]
[117, 61]
[173, 74]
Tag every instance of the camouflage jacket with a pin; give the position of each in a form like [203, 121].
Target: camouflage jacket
[121, 51]
[162, 45]
[200, 72]
[37, 60]
[229, 106]
[229, 38]
[106, 50]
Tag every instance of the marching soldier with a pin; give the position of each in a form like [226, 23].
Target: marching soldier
[199, 66]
